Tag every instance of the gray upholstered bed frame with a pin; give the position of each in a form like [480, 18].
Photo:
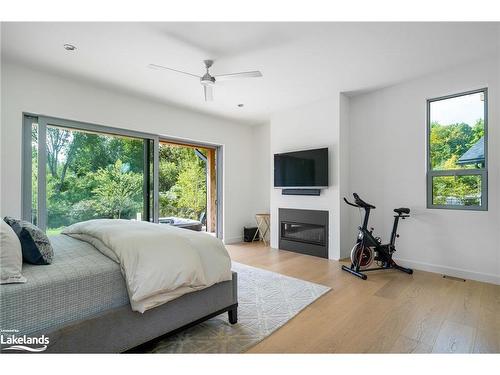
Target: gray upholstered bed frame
[121, 329]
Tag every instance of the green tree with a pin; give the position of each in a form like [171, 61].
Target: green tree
[93, 175]
[191, 188]
[168, 174]
[182, 182]
[447, 144]
[118, 190]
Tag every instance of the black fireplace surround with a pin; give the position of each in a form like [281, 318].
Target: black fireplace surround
[304, 231]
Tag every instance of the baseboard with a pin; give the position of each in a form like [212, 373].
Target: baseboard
[450, 271]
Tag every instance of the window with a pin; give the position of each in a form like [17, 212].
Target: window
[457, 151]
[75, 171]
[80, 172]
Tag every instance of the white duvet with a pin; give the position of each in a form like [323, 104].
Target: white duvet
[159, 262]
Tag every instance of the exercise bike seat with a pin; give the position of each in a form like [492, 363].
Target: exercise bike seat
[402, 210]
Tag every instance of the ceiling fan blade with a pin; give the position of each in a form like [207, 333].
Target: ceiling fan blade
[225, 77]
[159, 67]
[209, 93]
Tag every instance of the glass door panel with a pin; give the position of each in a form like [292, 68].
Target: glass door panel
[93, 175]
[187, 186]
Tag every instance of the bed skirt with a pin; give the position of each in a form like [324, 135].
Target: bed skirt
[120, 329]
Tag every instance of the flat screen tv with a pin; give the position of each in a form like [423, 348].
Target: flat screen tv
[301, 169]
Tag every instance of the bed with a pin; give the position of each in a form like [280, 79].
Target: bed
[81, 303]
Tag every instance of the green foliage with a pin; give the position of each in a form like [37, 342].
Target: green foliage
[93, 176]
[447, 144]
[182, 183]
[463, 190]
[118, 191]
[90, 176]
[191, 188]
[452, 141]
[168, 173]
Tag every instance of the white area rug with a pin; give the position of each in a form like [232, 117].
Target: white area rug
[267, 300]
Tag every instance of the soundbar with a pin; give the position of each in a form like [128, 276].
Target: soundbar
[314, 192]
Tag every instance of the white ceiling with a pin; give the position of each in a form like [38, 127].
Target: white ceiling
[301, 62]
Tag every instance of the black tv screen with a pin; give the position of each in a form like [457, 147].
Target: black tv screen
[301, 169]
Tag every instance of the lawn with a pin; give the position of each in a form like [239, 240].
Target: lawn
[54, 231]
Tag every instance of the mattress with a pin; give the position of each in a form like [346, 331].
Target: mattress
[80, 283]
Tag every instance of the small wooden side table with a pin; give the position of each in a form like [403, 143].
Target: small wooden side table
[263, 224]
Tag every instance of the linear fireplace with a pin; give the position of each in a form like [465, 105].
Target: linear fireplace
[304, 231]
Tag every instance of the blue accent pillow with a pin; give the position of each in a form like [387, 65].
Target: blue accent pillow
[35, 244]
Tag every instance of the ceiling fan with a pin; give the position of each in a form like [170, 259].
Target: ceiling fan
[208, 81]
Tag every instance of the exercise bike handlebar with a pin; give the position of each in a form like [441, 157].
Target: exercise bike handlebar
[350, 204]
[361, 203]
[402, 212]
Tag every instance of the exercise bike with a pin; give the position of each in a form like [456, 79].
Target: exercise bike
[369, 248]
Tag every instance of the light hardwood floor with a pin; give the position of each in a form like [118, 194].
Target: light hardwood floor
[391, 312]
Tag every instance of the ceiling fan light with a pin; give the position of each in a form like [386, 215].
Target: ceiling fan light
[207, 81]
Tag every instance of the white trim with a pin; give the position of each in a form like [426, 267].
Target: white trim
[451, 271]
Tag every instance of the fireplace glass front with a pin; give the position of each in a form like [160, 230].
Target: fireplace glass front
[301, 232]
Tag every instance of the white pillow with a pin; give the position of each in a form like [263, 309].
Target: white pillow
[11, 256]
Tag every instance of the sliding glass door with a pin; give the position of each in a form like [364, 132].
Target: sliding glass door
[81, 172]
[75, 171]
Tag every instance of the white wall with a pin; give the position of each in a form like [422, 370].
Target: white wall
[377, 148]
[27, 90]
[347, 232]
[261, 157]
[388, 169]
[310, 126]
